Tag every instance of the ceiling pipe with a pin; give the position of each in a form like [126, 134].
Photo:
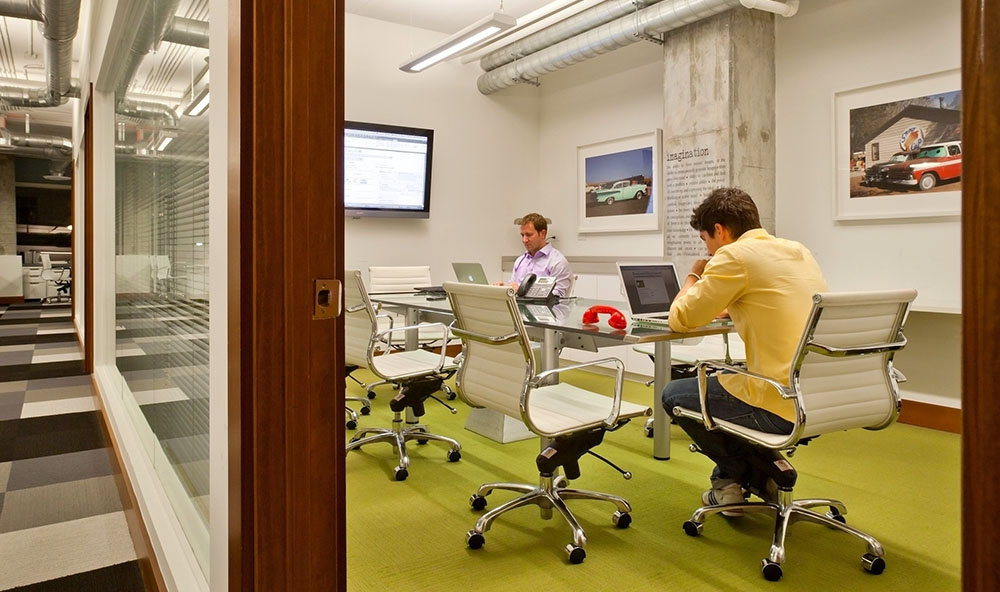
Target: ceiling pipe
[62, 18]
[147, 110]
[153, 22]
[786, 9]
[23, 9]
[185, 31]
[562, 30]
[659, 18]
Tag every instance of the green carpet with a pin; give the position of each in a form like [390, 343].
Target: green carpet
[901, 485]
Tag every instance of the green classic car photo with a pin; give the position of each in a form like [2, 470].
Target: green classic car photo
[620, 191]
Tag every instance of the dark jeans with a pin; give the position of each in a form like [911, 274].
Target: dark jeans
[736, 461]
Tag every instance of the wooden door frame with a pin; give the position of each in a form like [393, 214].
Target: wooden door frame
[980, 295]
[285, 230]
[88, 234]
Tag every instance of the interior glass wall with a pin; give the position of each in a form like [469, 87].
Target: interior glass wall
[161, 257]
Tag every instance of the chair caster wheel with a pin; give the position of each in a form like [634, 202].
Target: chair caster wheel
[401, 474]
[873, 564]
[621, 519]
[351, 424]
[475, 540]
[648, 429]
[421, 442]
[771, 570]
[692, 528]
[478, 502]
[836, 515]
[454, 455]
[575, 554]
[366, 410]
[371, 394]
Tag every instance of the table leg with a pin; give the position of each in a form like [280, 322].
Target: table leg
[661, 422]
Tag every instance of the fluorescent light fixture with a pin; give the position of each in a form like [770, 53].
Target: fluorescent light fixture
[464, 39]
[164, 142]
[199, 104]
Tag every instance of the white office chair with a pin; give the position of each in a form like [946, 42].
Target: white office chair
[404, 279]
[58, 277]
[161, 271]
[418, 373]
[842, 377]
[499, 373]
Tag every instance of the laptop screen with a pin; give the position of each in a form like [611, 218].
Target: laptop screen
[649, 288]
[470, 273]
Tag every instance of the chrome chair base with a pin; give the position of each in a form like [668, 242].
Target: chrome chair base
[550, 494]
[352, 415]
[788, 511]
[398, 435]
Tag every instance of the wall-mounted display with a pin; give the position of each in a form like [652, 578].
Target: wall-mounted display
[898, 150]
[619, 184]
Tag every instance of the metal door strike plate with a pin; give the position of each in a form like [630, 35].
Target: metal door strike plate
[327, 299]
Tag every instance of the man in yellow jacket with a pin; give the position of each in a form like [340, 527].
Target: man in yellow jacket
[766, 285]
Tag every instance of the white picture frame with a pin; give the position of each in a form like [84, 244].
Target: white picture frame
[855, 120]
[612, 175]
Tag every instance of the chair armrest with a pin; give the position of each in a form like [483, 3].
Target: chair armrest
[385, 336]
[705, 415]
[538, 381]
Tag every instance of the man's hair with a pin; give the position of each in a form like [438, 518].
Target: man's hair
[536, 220]
[728, 206]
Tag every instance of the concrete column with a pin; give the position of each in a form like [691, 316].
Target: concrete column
[8, 208]
[718, 122]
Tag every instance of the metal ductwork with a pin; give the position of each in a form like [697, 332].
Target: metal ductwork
[35, 145]
[185, 31]
[581, 22]
[153, 23]
[659, 18]
[166, 116]
[61, 21]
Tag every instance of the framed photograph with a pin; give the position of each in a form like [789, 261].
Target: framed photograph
[898, 149]
[619, 184]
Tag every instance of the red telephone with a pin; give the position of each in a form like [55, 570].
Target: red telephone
[617, 319]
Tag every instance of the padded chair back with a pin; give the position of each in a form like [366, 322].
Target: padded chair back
[359, 320]
[398, 278]
[493, 375]
[843, 368]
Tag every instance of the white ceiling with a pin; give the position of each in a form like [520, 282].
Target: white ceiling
[446, 16]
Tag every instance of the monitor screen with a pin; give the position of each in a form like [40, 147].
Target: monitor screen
[387, 170]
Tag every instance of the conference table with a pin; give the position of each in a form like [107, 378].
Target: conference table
[558, 326]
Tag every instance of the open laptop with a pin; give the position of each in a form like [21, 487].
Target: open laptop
[649, 290]
[470, 273]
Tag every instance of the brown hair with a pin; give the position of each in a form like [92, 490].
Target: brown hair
[536, 220]
[732, 208]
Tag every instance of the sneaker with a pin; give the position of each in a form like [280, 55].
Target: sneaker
[729, 494]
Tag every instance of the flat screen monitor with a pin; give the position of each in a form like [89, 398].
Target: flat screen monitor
[387, 170]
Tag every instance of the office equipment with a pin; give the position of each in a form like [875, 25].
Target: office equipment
[842, 377]
[592, 315]
[649, 290]
[387, 170]
[499, 373]
[536, 288]
[418, 373]
[470, 273]
[56, 276]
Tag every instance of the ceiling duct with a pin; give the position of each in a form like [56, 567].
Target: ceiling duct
[185, 31]
[152, 25]
[562, 30]
[58, 21]
[35, 145]
[148, 110]
[658, 18]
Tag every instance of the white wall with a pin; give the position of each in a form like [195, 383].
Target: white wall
[830, 47]
[613, 96]
[485, 169]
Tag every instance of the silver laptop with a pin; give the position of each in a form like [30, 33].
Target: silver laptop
[649, 290]
[470, 273]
